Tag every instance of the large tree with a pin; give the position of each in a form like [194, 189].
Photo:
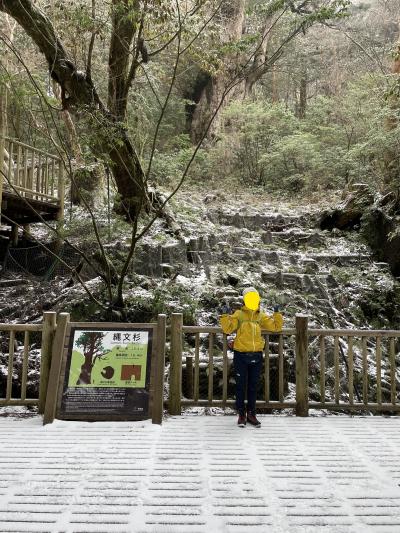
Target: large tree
[253, 36]
[80, 95]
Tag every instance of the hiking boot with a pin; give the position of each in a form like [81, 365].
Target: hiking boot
[241, 421]
[251, 419]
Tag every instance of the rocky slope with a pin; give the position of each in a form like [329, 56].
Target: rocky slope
[330, 275]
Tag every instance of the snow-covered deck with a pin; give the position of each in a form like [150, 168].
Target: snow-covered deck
[201, 474]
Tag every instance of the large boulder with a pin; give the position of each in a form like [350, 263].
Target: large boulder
[377, 217]
[382, 232]
[348, 214]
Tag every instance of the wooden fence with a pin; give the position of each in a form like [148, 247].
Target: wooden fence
[22, 355]
[32, 173]
[330, 369]
[349, 370]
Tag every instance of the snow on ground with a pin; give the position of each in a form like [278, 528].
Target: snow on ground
[201, 474]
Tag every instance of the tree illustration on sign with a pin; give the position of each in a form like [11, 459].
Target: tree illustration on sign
[91, 343]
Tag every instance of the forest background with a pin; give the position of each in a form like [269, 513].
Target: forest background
[293, 99]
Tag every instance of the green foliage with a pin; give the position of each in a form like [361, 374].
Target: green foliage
[164, 299]
[342, 139]
[170, 162]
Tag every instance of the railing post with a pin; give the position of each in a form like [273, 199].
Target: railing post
[61, 189]
[158, 392]
[55, 368]
[189, 377]
[301, 365]
[175, 372]
[49, 327]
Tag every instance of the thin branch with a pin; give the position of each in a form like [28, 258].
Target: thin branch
[164, 107]
[91, 44]
[135, 60]
[359, 45]
[213, 15]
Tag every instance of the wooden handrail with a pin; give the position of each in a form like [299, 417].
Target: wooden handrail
[33, 173]
[38, 150]
[21, 327]
[357, 356]
[311, 331]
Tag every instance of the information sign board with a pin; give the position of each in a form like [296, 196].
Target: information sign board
[106, 373]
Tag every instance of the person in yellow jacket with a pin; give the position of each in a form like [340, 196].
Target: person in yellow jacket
[248, 349]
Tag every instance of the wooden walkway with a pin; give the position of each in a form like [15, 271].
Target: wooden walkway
[201, 474]
[31, 184]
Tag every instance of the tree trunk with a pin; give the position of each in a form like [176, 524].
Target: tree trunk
[211, 89]
[80, 94]
[303, 95]
[85, 377]
[392, 157]
[274, 82]
[257, 70]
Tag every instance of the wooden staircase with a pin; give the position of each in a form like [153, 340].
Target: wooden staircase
[31, 185]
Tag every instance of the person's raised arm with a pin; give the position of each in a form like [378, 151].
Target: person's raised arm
[272, 323]
[229, 323]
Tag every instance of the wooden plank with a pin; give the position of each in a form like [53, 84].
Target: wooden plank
[21, 327]
[39, 195]
[18, 401]
[53, 171]
[224, 369]
[24, 181]
[61, 189]
[38, 175]
[365, 369]
[378, 352]
[301, 365]
[353, 332]
[25, 366]
[39, 151]
[356, 407]
[45, 176]
[49, 328]
[11, 347]
[351, 369]
[392, 356]
[280, 367]
[266, 369]
[322, 367]
[17, 167]
[336, 364]
[189, 376]
[196, 366]
[260, 404]
[56, 361]
[175, 374]
[31, 169]
[159, 361]
[210, 367]
[217, 329]
[113, 325]
[10, 180]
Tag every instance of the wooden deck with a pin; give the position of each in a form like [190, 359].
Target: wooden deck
[201, 474]
[31, 184]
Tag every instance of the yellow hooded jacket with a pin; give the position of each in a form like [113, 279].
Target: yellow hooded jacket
[248, 325]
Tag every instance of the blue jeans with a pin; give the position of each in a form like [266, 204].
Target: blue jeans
[247, 367]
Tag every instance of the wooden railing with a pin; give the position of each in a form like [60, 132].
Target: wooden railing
[313, 368]
[32, 173]
[346, 369]
[19, 348]
[364, 369]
